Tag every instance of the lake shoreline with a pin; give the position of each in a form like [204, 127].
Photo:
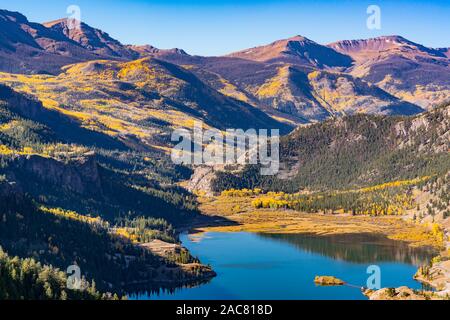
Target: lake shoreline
[289, 263]
[240, 217]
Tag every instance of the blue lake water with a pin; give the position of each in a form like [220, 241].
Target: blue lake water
[256, 266]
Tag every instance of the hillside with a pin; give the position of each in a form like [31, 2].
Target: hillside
[355, 151]
[299, 50]
[292, 92]
[138, 102]
[405, 69]
[295, 80]
[44, 159]
[115, 257]
[32, 48]
[43, 282]
[92, 39]
[317, 95]
[62, 186]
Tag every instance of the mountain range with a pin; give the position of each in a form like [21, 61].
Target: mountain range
[292, 81]
[85, 139]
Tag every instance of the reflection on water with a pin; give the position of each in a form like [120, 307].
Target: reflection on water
[283, 266]
[133, 291]
[359, 248]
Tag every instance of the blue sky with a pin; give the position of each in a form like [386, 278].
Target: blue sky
[218, 27]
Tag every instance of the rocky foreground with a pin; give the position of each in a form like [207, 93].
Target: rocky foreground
[436, 276]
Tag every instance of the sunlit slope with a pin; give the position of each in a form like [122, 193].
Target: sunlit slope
[317, 95]
[28, 47]
[139, 100]
[408, 70]
[294, 91]
[92, 39]
[298, 50]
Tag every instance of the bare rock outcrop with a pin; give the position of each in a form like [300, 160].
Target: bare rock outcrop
[201, 180]
[79, 175]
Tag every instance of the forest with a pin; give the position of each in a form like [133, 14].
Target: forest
[352, 152]
[66, 202]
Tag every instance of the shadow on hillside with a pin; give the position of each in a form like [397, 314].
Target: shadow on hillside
[65, 128]
[205, 221]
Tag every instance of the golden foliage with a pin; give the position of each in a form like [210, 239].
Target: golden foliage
[231, 90]
[5, 150]
[241, 193]
[127, 234]
[274, 85]
[392, 184]
[72, 215]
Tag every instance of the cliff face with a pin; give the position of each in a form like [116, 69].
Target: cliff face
[201, 180]
[80, 175]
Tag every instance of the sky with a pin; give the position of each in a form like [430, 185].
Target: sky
[217, 27]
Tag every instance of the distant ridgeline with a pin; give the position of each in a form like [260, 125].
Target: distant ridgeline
[354, 151]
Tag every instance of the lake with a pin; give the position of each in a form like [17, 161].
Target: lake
[283, 266]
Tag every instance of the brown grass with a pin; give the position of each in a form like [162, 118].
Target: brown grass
[249, 219]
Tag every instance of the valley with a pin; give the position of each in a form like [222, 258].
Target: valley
[408, 229]
[244, 217]
[87, 179]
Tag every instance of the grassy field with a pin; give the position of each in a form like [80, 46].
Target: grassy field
[244, 217]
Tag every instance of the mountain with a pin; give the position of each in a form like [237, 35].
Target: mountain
[85, 138]
[382, 47]
[298, 50]
[63, 186]
[148, 50]
[408, 70]
[293, 92]
[27, 47]
[139, 102]
[102, 44]
[354, 151]
[92, 39]
[316, 95]
[294, 80]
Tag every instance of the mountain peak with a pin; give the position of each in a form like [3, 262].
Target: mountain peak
[297, 49]
[149, 50]
[297, 38]
[387, 45]
[93, 39]
[392, 38]
[50, 24]
[103, 44]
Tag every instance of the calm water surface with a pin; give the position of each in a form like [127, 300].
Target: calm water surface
[257, 266]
